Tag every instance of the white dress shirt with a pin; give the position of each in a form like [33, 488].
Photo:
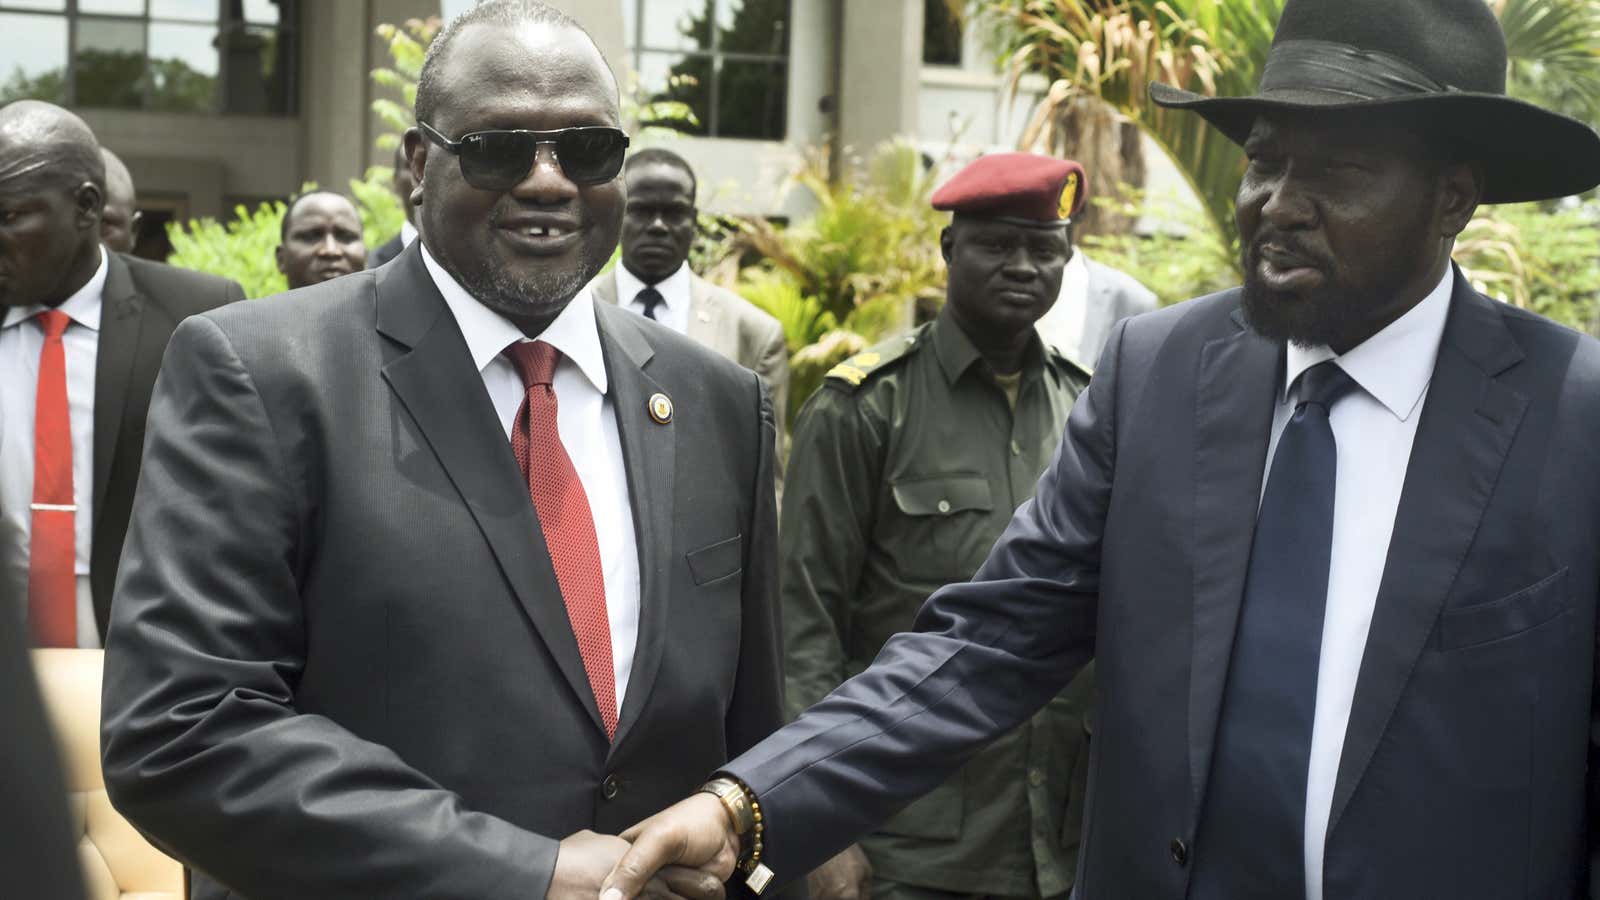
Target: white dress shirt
[674, 289]
[587, 420]
[1062, 326]
[408, 233]
[1373, 428]
[21, 340]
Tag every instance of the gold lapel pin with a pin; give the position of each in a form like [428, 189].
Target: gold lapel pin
[660, 409]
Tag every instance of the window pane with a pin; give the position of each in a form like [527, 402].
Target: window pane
[112, 7]
[193, 10]
[677, 24]
[110, 63]
[254, 72]
[262, 12]
[753, 26]
[941, 32]
[752, 100]
[35, 64]
[183, 67]
[685, 79]
[51, 5]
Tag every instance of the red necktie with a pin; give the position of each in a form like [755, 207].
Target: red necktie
[565, 519]
[52, 583]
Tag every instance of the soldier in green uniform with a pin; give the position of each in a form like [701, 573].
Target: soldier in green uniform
[906, 467]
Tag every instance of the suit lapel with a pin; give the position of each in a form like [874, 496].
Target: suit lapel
[121, 321]
[1234, 398]
[1468, 423]
[705, 319]
[649, 451]
[442, 390]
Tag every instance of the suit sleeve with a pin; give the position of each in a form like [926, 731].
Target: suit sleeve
[983, 656]
[835, 469]
[774, 369]
[757, 706]
[203, 746]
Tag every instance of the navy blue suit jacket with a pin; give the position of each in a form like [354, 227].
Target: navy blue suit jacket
[1464, 772]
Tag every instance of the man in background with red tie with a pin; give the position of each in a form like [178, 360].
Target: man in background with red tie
[442, 574]
[82, 330]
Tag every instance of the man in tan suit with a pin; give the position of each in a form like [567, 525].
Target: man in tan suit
[653, 279]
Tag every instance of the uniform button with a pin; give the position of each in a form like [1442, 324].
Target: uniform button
[1035, 777]
[610, 787]
[944, 506]
[1016, 449]
[1180, 851]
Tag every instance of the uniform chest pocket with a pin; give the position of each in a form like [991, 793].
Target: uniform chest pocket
[715, 561]
[1520, 611]
[941, 532]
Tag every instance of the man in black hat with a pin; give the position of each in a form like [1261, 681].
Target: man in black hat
[1321, 536]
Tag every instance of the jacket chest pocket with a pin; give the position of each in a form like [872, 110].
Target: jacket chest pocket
[1509, 616]
[939, 530]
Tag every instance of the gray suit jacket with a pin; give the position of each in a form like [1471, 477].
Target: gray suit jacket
[735, 328]
[339, 662]
[1112, 295]
[1468, 769]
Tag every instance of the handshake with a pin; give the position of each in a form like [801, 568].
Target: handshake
[685, 852]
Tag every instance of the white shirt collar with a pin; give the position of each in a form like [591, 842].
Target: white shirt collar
[83, 307]
[487, 333]
[1394, 365]
[674, 288]
[408, 233]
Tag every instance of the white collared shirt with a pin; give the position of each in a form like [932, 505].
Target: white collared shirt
[408, 233]
[587, 420]
[21, 340]
[1062, 325]
[1373, 428]
[674, 289]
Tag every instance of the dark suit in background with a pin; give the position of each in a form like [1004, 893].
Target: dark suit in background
[340, 665]
[38, 853]
[1465, 771]
[143, 303]
[386, 251]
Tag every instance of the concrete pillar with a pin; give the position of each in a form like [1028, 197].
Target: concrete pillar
[603, 20]
[879, 71]
[333, 91]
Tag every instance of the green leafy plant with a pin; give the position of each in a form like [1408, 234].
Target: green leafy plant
[408, 47]
[1537, 258]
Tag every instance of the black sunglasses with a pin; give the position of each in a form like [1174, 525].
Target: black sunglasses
[499, 160]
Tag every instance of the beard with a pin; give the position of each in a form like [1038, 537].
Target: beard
[519, 293]
[1336, 313]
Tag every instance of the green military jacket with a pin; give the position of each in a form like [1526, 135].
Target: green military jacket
[906, 467]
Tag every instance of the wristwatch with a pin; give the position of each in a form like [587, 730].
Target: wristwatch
[745, 812]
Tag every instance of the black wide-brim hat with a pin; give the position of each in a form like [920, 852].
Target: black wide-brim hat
[1443, 61]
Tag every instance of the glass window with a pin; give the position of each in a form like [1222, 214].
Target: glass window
[191, 10]
[112, 7]
[201, 56]
[35, 59]
[941, 32]
[108, 70]
[727, 60]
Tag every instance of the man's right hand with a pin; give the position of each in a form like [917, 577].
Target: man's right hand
[847, 876]
[696, 832]
[586, 858]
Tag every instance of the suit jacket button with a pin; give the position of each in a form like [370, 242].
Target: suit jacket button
[610, 787]
[1180, 851]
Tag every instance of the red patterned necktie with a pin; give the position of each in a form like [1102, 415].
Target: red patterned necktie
[52, 583]
[565, 519]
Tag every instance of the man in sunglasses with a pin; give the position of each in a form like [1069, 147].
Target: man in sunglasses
[443, 573]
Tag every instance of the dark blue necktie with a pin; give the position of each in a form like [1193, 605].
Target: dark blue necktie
[650, 298]
[1252, 831]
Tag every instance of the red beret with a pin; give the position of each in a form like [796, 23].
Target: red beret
[1017, 186]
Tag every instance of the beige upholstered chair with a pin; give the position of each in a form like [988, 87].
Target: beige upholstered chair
[117, 861]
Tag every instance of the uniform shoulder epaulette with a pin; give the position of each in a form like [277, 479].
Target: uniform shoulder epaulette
[855, 371]
[1077, 371]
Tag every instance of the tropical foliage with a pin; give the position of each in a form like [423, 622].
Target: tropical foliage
[864, 265]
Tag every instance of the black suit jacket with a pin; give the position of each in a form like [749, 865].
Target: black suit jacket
[143, 302]
[1465, 768]
[386, 251]
[340, 665]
